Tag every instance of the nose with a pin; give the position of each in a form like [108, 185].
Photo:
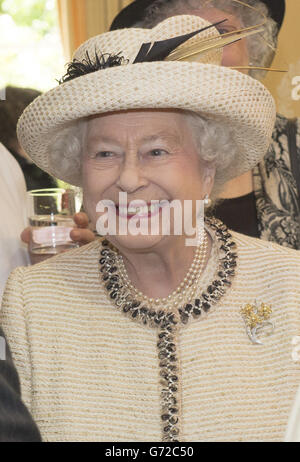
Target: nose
[131, 177]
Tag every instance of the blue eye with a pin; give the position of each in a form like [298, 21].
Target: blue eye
[104, 154]
[157, 152]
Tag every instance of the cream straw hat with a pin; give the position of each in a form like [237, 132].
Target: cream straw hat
[203, 86]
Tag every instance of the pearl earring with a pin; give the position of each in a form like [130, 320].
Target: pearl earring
[207, 201]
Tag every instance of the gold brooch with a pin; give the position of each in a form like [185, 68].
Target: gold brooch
[256, 317]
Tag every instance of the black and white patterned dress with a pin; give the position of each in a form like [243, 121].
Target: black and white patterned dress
[275, 188]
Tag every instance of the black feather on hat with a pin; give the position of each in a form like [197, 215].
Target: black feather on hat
[136, 10]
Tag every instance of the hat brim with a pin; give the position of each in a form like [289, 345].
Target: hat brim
[135, 12]
[229, 96]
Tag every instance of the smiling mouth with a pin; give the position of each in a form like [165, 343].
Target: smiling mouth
[140, 211]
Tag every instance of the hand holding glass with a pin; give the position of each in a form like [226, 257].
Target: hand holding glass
[50, 214]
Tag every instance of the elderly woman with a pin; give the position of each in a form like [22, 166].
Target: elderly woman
[142, 337]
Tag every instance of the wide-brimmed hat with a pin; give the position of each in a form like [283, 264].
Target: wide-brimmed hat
[135, 12]
[231, 97]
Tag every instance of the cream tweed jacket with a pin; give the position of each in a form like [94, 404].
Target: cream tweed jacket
[90, 373]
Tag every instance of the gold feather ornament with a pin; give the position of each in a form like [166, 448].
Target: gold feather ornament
[191, 48]
[194, 51]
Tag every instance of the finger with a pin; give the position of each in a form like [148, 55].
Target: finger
[81, 220]
[82, 236]
[25, 235]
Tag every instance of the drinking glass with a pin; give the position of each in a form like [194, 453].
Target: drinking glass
[50, 214]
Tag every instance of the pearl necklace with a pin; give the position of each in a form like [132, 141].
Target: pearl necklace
[126, 299]
[186, 288]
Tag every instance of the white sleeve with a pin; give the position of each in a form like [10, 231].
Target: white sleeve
[13, 253]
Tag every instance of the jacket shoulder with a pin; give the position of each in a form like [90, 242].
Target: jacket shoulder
[261, 249]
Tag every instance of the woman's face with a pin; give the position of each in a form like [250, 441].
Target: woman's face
[235, 54]
[150, 155]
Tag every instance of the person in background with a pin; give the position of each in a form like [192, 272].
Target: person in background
[16, 100]
[263, 203]
[13, 213]
[16, 423]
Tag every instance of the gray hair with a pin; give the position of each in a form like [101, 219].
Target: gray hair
[216, 146]
[66, 148]
[261, 51]
[214, 141]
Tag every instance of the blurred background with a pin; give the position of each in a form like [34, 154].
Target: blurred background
[38, 36]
